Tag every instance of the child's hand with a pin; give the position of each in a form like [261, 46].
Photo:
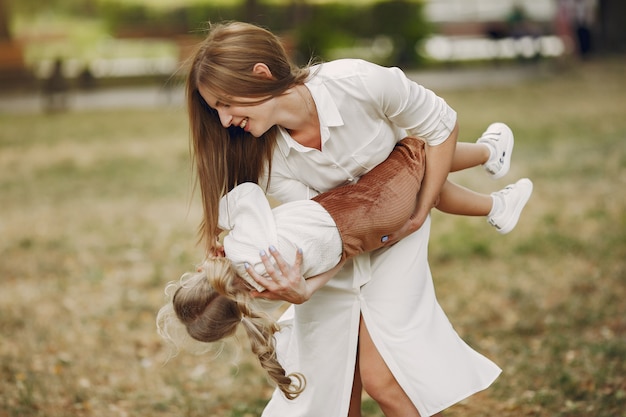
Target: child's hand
[286, 283]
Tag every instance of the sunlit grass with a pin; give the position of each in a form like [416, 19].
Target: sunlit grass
[96, 217]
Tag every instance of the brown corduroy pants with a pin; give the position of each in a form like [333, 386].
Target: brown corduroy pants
[380, 202]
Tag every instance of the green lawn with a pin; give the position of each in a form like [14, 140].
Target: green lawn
[96, 216]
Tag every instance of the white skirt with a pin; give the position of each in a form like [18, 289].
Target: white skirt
[393, 289]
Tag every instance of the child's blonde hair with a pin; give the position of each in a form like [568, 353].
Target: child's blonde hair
[210, 304]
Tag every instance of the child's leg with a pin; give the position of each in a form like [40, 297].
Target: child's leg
[455, 199]
[502, 208]
[469, 155]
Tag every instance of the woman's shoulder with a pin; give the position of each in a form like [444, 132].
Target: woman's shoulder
[359, 78]
[358, 72]
[345, 67]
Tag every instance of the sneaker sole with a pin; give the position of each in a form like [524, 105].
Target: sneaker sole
[526, 185]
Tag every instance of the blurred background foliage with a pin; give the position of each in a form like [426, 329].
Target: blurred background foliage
[312, 29]
[309, 28]
[390, 32]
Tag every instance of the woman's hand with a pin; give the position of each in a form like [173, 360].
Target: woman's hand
[286, 283]
[411, 225]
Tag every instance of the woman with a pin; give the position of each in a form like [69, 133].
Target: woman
[298, 132]
[209, 304]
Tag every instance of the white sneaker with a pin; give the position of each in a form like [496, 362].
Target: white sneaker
[508, 204]
[499, 138]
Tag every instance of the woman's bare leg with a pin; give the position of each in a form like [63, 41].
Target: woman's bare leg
[455, 199]
[468, 155]
[379, 382]
[357, 389]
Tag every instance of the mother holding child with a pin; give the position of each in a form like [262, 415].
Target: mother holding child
[357, 155]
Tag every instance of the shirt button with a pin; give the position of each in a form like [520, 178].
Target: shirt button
[333, 166]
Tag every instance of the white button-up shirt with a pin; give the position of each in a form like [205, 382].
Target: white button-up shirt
[364, 109]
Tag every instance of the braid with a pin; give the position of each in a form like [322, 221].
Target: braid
[210, 304]
[260, 329]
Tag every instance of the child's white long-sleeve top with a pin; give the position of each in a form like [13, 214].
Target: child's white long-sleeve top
[253, 226]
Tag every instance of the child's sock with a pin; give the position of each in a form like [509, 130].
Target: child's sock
[497, 207]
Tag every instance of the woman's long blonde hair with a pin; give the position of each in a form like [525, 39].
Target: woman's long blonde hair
[225, 157]
[210, 305]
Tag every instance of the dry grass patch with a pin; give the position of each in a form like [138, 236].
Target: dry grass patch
[95, 219]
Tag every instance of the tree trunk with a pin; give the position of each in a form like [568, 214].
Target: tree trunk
[251, 11]
[611, 30]
[13, 71]
[5, 33]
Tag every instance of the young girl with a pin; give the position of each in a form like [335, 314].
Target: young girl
[331, 228]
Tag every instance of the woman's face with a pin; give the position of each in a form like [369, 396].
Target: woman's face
[255, 118]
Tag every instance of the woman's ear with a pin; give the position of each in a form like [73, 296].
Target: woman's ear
[262, 70]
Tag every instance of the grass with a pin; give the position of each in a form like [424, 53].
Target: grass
[96, 217]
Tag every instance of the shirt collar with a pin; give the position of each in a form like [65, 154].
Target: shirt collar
[326, 108]
[287, 143]
[327, 111]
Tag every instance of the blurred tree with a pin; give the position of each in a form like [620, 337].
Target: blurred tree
[612, 30]
[404, 22]
[328, 26]
[31, 7]
[13, 70]
[251, 10]
[5, 33]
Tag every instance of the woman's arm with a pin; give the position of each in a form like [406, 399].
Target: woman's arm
[438, 163]
[287, 282]
[423, 114]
